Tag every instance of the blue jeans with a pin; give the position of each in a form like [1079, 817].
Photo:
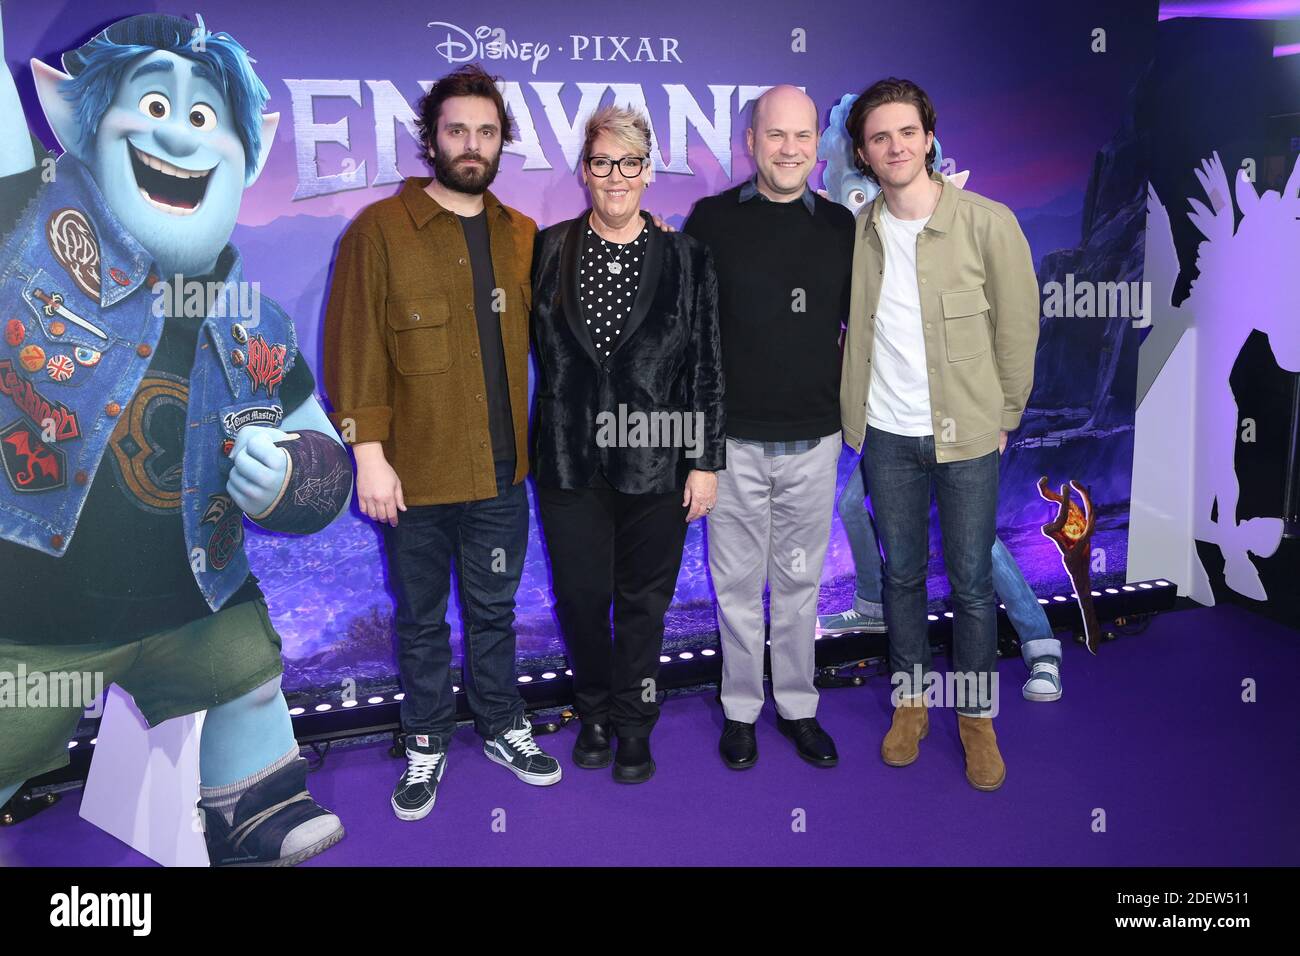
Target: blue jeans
[862, 543]
[1026, 614]
[901, 470]
[486, 540]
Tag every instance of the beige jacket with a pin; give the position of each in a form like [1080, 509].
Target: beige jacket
[980, 307]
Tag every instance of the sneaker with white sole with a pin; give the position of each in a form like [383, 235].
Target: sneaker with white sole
[417, 788]
[275, 823]
[515, 750]
[1044, 680]
[850, 622]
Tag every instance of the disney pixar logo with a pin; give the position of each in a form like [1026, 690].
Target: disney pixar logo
[458, 45]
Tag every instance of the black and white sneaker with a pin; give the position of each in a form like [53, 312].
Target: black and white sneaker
[418, 787]
[516, 750]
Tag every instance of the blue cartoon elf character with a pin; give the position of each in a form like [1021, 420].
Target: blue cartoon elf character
[138, 429]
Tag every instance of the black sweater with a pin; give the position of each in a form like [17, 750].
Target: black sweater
[783, 294]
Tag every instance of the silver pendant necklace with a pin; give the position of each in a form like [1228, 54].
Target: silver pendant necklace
[613, 265]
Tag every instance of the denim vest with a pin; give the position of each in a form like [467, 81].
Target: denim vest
[80, 324]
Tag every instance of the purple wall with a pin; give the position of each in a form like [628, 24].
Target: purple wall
[1043, 122]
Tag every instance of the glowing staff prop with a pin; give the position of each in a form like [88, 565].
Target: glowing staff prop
[1072, 532]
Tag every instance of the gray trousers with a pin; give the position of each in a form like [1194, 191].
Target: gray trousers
[770, 525]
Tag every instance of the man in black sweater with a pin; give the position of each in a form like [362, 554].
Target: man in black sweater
[783, 257]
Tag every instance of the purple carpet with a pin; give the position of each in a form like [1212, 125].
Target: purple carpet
[1153, 732]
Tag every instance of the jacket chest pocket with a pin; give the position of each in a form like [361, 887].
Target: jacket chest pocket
[419, 339]
[62, 338]
[966, 329]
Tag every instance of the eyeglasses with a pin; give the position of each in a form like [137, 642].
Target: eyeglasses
[629, 166]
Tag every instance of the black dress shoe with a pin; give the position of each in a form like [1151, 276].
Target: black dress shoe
[633, 763]
[591, 749]
[738, 746]
[813, 743]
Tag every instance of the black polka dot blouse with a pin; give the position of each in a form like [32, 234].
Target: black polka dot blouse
[607, 286]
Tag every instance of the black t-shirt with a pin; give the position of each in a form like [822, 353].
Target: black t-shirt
[501, 424]
[126, 573]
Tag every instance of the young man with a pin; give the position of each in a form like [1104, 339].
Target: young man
[938, 365]
[783, 257]
[426, 352]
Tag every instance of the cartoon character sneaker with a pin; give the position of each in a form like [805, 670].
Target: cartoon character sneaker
[515, 750]
[850, 622]
[1044, 680]
[276, 823]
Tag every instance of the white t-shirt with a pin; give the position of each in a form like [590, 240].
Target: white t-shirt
[899, 397]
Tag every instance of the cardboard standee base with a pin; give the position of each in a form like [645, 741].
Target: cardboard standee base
[143, 785]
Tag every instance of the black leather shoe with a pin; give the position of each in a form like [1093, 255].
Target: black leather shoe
[813, 743]
[633, 763]
[738, 746]
[591, 750]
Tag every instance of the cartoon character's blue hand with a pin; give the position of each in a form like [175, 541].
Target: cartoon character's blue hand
[259, 468]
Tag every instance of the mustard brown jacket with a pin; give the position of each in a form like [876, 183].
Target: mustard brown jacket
[402, 363]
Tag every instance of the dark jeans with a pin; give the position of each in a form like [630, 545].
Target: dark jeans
[900, 472]
[486, 540]
[609, 547]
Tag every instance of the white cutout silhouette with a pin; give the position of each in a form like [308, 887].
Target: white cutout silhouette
[1248, 280]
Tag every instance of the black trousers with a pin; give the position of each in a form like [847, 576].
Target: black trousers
[607, 547]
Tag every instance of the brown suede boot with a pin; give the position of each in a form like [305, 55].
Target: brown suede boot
[984, 767]
[911, 723]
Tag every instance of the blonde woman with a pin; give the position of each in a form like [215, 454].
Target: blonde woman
[628, 433]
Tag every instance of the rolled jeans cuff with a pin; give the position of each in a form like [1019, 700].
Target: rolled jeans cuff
[1042, 647]
[868, 608]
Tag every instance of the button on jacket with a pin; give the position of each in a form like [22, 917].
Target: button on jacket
[402, 363]
[980, 311]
